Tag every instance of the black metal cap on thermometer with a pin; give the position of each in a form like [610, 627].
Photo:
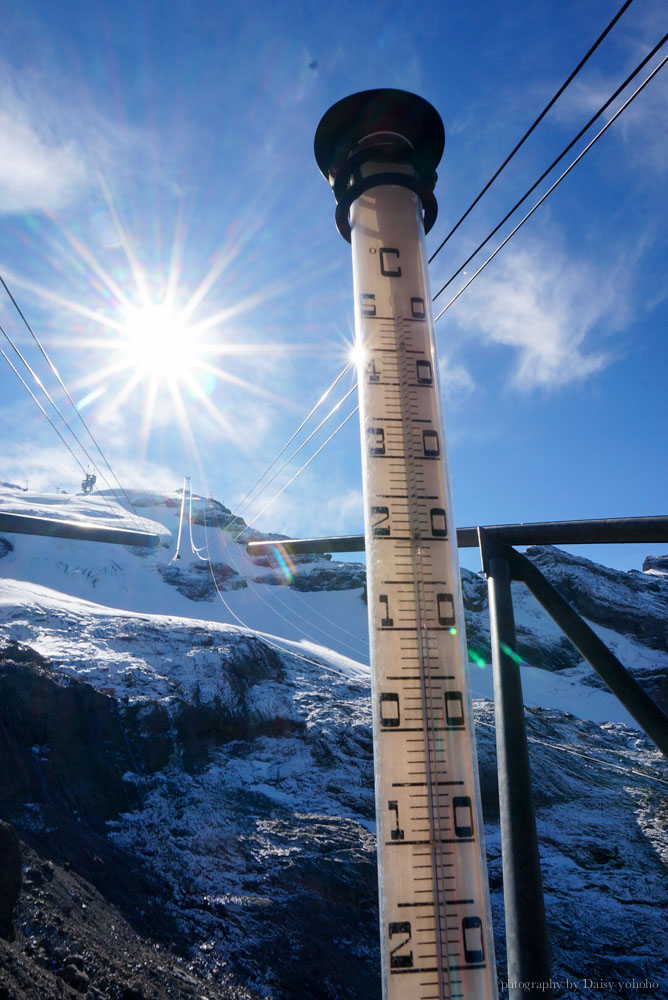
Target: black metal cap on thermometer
[380, 137]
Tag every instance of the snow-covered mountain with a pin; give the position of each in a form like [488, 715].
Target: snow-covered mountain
[198, 756]
[306, 598]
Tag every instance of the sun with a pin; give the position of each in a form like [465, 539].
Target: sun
[156, 343]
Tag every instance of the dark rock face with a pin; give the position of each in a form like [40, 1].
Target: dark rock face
[297, 559]
[210, 512]
[338, 576]
[62, 744]
[632, 603]
[333, 576]
[655, 564]
[66, 751]
[5, 547]
[10, 878]
[474, 591]
[196, 583]
[71, 942]
[218, 798]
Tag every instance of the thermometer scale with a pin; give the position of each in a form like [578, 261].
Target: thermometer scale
[379, 150]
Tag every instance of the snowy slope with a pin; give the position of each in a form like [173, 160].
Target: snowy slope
[275, 599]
[252, 779]
[131, 579]
[238, 762]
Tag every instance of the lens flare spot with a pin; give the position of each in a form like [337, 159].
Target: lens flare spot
[358, 356]
[510, 652]
[284, 564]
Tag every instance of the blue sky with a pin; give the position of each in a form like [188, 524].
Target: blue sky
[159, 156]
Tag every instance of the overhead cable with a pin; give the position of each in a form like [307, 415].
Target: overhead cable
[65, 390]
[197, 552]
[46, 392]
[178, 537]
[537, 122]
[297, 450]
[309, 621]
[297, 473]
[556, 183]
[567, 149]
[361, 674]
[579, 753]
[312, 611]
[289, 442]
[28, 389]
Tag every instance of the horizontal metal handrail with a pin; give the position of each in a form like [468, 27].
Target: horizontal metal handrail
[600, 531]
[85, 531]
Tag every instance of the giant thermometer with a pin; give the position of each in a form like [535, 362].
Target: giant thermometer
[379, 150]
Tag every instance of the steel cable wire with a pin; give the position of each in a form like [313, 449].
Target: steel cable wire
[67, 393]
[306, 419]
[48, 395]
[36, 400]
[297, 473]
[197, 552]
[537, 122]
[560, 157]
[297, 450]
[178, 537]
[580, 753]
[361, 642]
[292, 611]
[361, 674]
[556, 183]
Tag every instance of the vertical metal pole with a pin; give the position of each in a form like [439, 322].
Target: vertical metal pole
[526, 929]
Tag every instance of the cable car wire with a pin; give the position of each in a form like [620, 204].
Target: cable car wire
[308, 416]
[46, 392]
[197, 552]
[580, 753]
[296, 614]
[361, 642]
[556, 183]
[302, 445]
[567, 149]
[314, 611]
[537, 122]
[297, 473]
[36, 400]
[350, 676]
[178, 537]
[67, 393]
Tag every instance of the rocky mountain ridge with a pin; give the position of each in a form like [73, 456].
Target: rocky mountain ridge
[195, 801]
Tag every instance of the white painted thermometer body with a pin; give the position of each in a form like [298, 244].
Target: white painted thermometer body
[436, 939]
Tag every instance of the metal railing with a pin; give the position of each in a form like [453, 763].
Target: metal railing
[85, 531]
[526, 928]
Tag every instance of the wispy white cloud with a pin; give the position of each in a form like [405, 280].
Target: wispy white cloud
[48, 467]
[42, 166]
[457, 382]
[307, 510]
[547, 307]
[641, 126]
